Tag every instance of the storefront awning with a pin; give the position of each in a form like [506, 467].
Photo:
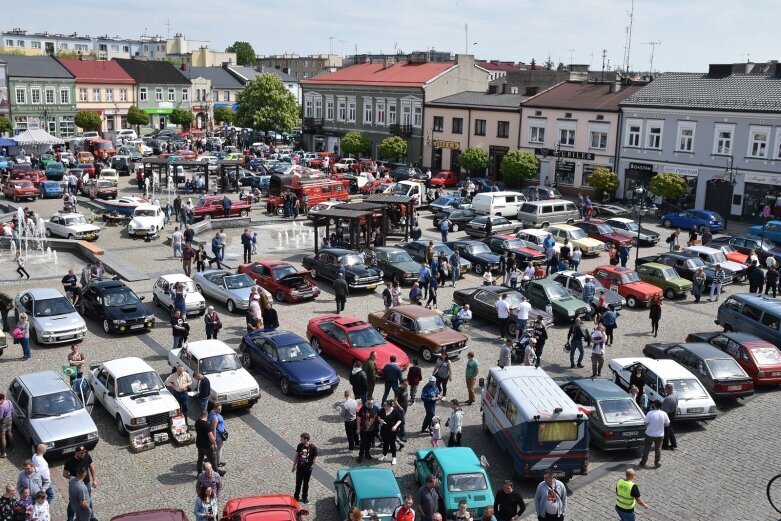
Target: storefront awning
[158, 111]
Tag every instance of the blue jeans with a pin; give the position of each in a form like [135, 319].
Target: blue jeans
[573, 264]
[203, 403]
[444, 235]
[715, 290]
[575, 345]
[625, 516]
[430, 407]
[25, 342]
[520, 325]
[183, 398]
[455, 274]
[178, 342]
[177, 246]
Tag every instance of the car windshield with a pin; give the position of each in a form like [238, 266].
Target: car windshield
[477, 249]
[688, 389]
[769, 244]
[725, 368]
[466, 482]
[430, 323]
[55, 404]
[604, 228]
[23, 184]
[145, 213]
[726, 248]
[514, 245]
[399, 256]
[695, 263]
[283, 271]
[367, 337]
[52, 307]
[70, 221]
[220, 363]
[295, 352]
[632, 276]
[351, 259]
[123, 297]
[238, 281]
[621, 410]
[400, 189]
[631, 225]
[442, 201]
[718, 257]
[382, 506]
[555, 292]
[669, 273]
[440, 248]
[577, 234]
[139, 383]
[766, 355]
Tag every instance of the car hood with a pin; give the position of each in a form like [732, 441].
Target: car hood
[60, 322]
[733, 266]
[240, 294]
[445, 336]
[144, 222]
[305, 371]
[569, 303]
[491, 258]
[616, 236]
[679, 282]
[71, 425]
[588, 242]
[645, 231]
[360, 270]
[293, 279]
[129, 311]
[231, 381]
[150, 403]
[641, 287]
[407, 266]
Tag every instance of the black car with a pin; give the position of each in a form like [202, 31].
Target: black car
[402, 173]
[330, 261]
[459, 217]
[686, 266]
[482, 301]
[120, 309]
[540, 193]
[396, 264]
[746, 243]
[478, 253]
[417, 250]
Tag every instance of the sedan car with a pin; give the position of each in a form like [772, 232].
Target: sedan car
[444, 179]
[273, 507]
[282, 280]
[759, 358]
[477, 227]
[665, 277]
[630, 228]
[577, 238]
[321, 207]
[573, 281]
[147, 222]
[540, 193]
[71, 226]
[116, 305]
[609, 210]
[370, 489]
[482, 301]
[18, 189]
[100, 188]
[459, 218]
[446, 201]
[699, 219]
[524, 251]
[417, 250]
[210, 207]
[396, 264]
[746, 243]
[731, 253]
[289, 361]
[222, 286]
[50, 189]
[626, 283]
[713, 257]
[52, 317]
[329, 262]
[604, 232]
[477, 253]
[542, 293]
[54, 171]
[163, 290]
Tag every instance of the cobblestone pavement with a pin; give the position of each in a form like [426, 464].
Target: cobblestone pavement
[719, 472]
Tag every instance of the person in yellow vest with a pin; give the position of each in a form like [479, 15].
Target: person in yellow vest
[627, 494]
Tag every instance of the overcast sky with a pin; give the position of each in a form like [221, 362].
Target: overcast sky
[693, 33]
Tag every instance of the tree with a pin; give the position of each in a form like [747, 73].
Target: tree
[603, 180]
[548, 64]
[224, 115]
[561, 67]
[668, 185]
[517, 165]
[181, 117]
[6, 127]
[88, 120]
[245, 54]
[533, 64]
[474, 160]
[355, 143]
[137, 117]
[393, 147]
[266, 104]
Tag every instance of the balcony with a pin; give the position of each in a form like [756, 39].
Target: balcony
[312, 126]
[400, 130]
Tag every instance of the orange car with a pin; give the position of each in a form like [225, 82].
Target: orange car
[731, 253]
[626, 283]
[272, 507]
[18, 189]
[85, 157]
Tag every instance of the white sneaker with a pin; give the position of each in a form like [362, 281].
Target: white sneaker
[345, 451]
[393, 461]
[381, 458]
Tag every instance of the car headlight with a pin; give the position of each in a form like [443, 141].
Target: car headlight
[381, 274]
[141, 420]
[118, 322]
[149, 318]
[175, 412]
[47, 333]
[245, 302]
[760, 373]
[49, 445]
[90, 436]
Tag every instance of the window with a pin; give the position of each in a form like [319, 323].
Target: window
[319, 107]
[633, 131]
[110, 95]
[125, 48]
[567, 137]
[391, 113]
[439, 123]
[115, 48]
[341, 112]
[654, 139]
[458, 125]
[329, 109]
[757, 141]
[503, 129]
[548, 432]
[367, 112]
[21, 43]
[479, 127]
[185, 94]
[81, 47]
[9, 43]
[35, 95]
[685, 141]
[308, 107]
[380, 120]
[95, 94]
[35, 45]
[158, 94]
[417, 116]
[598, 140]
[102, 47]
[351, 111]
[83, 94]
[226, 95]
[50, 100]
[536, 134]
[63, 46]
[65, 96]
[406, 114]
[171, 94]
[20, 123]
[51, 125]
[142, 94]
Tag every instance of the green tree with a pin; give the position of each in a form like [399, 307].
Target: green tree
[355, 143]
[474, 160]
[224, 115]
[245, 54]
[6, 127]
[533, 64]
[561, 67]
[393, 147]
[266, 104]
[182, 117]
[668, 185]
[137, 117]
[603, 180]
[88, 120]
[517, 166]
[548, 66]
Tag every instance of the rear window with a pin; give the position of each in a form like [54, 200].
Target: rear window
[557, 431]
[620, 411]
[766, 355]
[725, 368]
[688, 389]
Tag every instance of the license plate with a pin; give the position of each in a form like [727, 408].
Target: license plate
[631, 434]
[695, 409]
[559, 474]
[240, 403]
[734, 387]
[775, 373]
[66, 337]
[69, 450]
[156, 428]
[372, 286]
[136, 326]
[323, 388]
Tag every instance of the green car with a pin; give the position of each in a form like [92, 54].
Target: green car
[665, 277]
[397, 264]
[460, 475]
[565, 308]
[368, 488]
[47, 158]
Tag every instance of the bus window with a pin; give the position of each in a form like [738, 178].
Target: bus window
[491, 389]
[557, 431]
[512, 412]
[501, 400]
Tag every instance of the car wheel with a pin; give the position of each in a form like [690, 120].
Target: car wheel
[427, 354]
[570, 221]
[313, 273]
[207, 216]
[479, 269]
[71, 237]
[155, 300]
[544, 225]
[280, 296]
[121, 426]
[631, 301]
[244, 213]
[199, 288]
[48, 233]
[231, 306]
[455, 227]
[284, 386]
[728, 328]
[667, 223]
[106, 326]
[669, 293]
[512, 329]
[279, 211]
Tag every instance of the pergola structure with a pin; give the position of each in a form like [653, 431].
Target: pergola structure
[161, 165]
[356, 214]
[405, 208]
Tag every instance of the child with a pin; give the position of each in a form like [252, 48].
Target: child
[40, 509]
[255, 243]
[513, 276]
[20, 265]
[436, 432]
[25, 502]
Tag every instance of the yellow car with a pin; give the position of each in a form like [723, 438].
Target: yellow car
[234, 156]
[577, 238]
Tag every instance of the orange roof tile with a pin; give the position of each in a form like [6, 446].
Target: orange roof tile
[400, 74]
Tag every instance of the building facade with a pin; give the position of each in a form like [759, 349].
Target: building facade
[301, 67]
[109, 47]
[160, 88]
[21, 41]
[213, 87]
[183, 52]
[5, 103]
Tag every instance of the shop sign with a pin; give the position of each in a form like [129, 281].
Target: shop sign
[564, 154]
[688, 172]
[764, 179]
[452, 145]
[641, 167]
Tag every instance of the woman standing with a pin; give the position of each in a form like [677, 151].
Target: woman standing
[390, 419]
[206, 505]
[77, 360]
[431, 303]
[396, 293]
[698, 284]
[655, 313]
[540, 335]
[443, 372]
[637, 379]
[179, 298]
[212, 322]
[612, 254]
[24, 335]
[455, 423]
[574, 260]
[443, 268]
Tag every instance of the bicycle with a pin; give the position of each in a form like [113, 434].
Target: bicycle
[774, 493]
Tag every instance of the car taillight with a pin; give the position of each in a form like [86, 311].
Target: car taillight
[610, 435]
[584, 466]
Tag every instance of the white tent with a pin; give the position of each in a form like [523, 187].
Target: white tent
[37, 136]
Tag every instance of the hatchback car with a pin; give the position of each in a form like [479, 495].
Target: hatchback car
[116, 306]
[626, 283]
[759, 358]
[163, 290]
[373, 490]
[282, 280]
[459, 218]
[542, 293]
[52, 317]
[478, 253]
[573, 281]
[539, 193]
[664, 277]
[272, 507]
[446, 201]
[630, 228]
[604, 232]
[50, 189]
[699, 219]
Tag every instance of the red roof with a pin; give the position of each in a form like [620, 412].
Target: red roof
[498, 66]
[400, 74]
[97, 71]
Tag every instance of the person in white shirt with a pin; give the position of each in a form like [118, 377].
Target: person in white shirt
[464, 315]
[771, 262]
[528, 274]
[488, 278]
[598, 339]
[655, 422]
[522, 317]
[503, 313]
[574, 258]
[42, 466]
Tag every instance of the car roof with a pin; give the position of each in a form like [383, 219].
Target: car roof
[390, 249]
[619, 219]
[205, 348]
[600, 388]
[703, 249]
[414, 311]
[532, 231]
[337, 251]
[657, 265]
[492, 289]
[45, 382]
[278, 337]
[743, 338]
[43, 293]
[350, 323]
[614, 269]
[761, 301]
[454, 460]
[534, 393]
[176, 277]
[375, 482]
[107, 284]
[126, 366]
[565, 227]
[545, 282]
[664, 367]
[703, 350]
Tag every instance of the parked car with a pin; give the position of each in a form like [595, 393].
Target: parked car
[459, 218]
[524, 251]
[609, 210]
[46, 410]
[626, 283]
[445, 201]
[630, 228]
[477, 226]
[460, 475]
[542, 293]
[18, 189]
[281, 279]
[605, 233]
[396, 264]
[577, 238]
[158, 514]
[231, 289]
[345, 164]
[109, 174]
[147, 222]
[194, 302]
[210, 207]
[712, 257]
[133, 394]
[71, 226]
[764, 248]
[573, 282]
[759, 358]
[686, 266]
[419, 329]
[54, 171]
[665, 277]
[732, 254]
[329, 261]
[369, 489]
[699, 219]
[445, 179]
[482, 301]
[477, 253]
[417, 250]
[50, 189]
[272, 507]
[537, 237]
[116, 305]
[539, 193]
[52, 317]
[770, 230]
[101, 188]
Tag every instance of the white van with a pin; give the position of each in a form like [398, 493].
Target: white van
[505, 204]
[127, 134]
[694, 402]
[541, 214]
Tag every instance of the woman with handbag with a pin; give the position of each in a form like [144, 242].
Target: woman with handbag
[21, 334]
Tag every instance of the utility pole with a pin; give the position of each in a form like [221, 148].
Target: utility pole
[628, 46]
[571, 58]
[604, 55]
[466, 38]
[331, 46]
[653, 48]
[168, 26]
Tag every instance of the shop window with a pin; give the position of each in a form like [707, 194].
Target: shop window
[654, 139]
[439, 123]
[757, 142]
[479, 127]
[685, 141]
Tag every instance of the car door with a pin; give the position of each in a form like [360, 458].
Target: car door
[100, 388]
[341, 347]
[20, 399]
[262, 276]
[652, 386]
[267, 359]
[393, 327]
[485, 304]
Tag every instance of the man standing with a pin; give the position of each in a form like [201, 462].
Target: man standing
[404, 512]
[414, 376]
[341, 291]
[209, 478]
[43, 468]
[455, 267]
[387, 297]
[503, 312]
[306, 454]
[6, 424]
[655, 422]
[205, 442]
[176, 242]
[577, 335]
[627, 494]
[505, 354]
[366, 424]
[550, 499]
[508, 503]
[179, 385]
[79, 497]
[189, 234]
[348, 411]
[226, 206]
[359, 382]
[212, 322]
[217, 423]
[80, 462]
[217, 245]
[715, 288]
[424, 274]
[391, 375]
[370, 368]
[429, 395]
[204, 388]
[179, 329]
[670, 407]
[444, 227]
[188, 254]
[30, 478]
[472, 369]
[427, 499]
[246, 242]
[178, 206]
[415, 294]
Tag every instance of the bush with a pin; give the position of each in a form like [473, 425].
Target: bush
[517, 166]
[474, 160]
[604, 181]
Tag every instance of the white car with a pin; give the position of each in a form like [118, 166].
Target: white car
[127, 134]
[109, 174]
[231, 384]
[139, 145]
[148, 220]
[52, 317]
[71, 226]
[345, 164]
[133, 394]
[161, 294]
[68, 159]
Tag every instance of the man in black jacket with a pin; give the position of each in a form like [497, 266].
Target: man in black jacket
[508, 503]
[359, 382]
[341, 290]
[246, 242]
[387, 297]
[204, 391]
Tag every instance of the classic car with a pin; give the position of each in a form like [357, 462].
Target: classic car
[523, 250]
[459, 218]
[477, 226]
[396, 264]
[281, 279]
[321, 207]
[86, 168]
[36, 177]
[718, 372]
[109, 174]
[164, 287]
[731, 253]
[120, 309]
[626, 283]
[759, 358]
[147, 222]
[222, 286]
[711, 257]
[68, 159]
[542, 293]
[764, 248]
[50, 189]
[482, 301]
[210, 207]
[577, 238]
[370, 489]
[686, 266]
[460, 475]
[157, 514]
[444, 179]
[272, 507]
[477, 253]
[615, 421]
[52, 317]
[609, 210]
[345, 164]
[231, 384]
[85, 157]
[537, 237]
[605, 233]
[417, 250]
[18, 189]
[445, 201]
[630, 228]
[419, 329]
[348, 339]
[330, 261]
[46, 410]
[71, 226]
[289, 361]
[540, 193]
[47, 159]
[573, 281]
[665, 277]
[133, 394]
[54, 171]
[100, 188]
[699, 219]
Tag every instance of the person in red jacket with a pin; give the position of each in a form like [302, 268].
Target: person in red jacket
[414, 376]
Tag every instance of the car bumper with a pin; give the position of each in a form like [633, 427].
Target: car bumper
[240, 404]
[365, 284]
[315, 389]
[197, 309]
[129, 328]
[633, 443]
[63, 337]
[70, 449]
[704, 416]
[143, 233]
[299, 297]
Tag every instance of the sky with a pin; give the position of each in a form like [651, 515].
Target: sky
[693, 33]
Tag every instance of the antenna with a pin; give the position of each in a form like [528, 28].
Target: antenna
[604, 55]
[653, 48]
[331, 42]
[341, 46]
[466, 38]
[571, 57]
[628, 47]
[168, 25]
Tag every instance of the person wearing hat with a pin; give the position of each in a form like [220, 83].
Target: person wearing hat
[213, 323]
[80, 462]
[529, 356]
[429, 395]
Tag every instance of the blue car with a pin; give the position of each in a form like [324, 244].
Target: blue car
[54, 171]
[770, 230]
[50, 189]
[446, 201]
[289, 360]
[699, 218]
[478, 253]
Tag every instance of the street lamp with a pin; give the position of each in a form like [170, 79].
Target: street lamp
[558, 160]
[641, 209]
[733, 174]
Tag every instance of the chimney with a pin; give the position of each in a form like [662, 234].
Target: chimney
[387, 62]
[183, 66]
[716, 70]
[615, 86]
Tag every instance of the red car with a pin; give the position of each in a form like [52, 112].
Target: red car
[282, 280]
[445, 178]
[604, 232]
[162, 514]
[210, 207]
[760, 359]
[626, 283]
[511, 244]
[34, 176]
[88, 168]
[348, 339]
[273, 507]
[17, 189]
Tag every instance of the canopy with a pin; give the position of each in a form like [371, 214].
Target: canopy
[5, 142]
[37, 136]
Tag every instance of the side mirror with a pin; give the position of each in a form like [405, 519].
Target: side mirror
[142, 297]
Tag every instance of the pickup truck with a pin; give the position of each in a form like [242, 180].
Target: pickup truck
[686, 266]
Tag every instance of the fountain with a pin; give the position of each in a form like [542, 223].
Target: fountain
[54, 253]
[279, 236]
[287, 238]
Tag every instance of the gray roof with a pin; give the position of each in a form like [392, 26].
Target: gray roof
[34, 67]
[219, 77]
[285, 77]
[481, 100]
[736, 92]
[249, 73]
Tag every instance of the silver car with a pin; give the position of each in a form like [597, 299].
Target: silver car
[47, 410]
[477, 226]
[232, 289]
[53, 319]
